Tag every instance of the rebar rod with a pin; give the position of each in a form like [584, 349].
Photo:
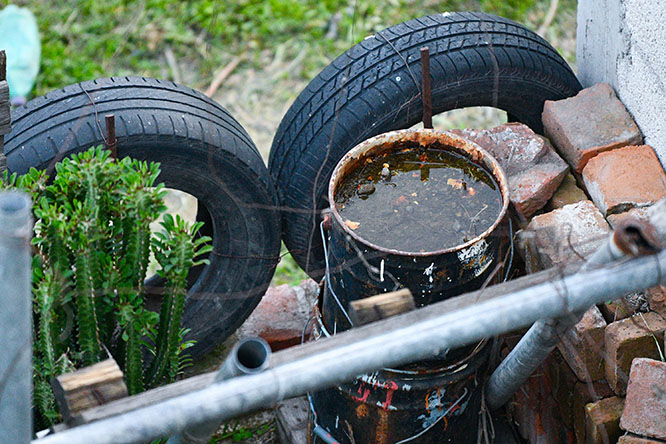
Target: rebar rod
[15, 318]
[392, 342]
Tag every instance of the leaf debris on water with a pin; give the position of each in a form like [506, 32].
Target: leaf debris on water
[455, 183]
[351, 224]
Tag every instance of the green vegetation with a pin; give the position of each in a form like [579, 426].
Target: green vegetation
[85, 39]
[283, 43]
[287, 271]
[92, 247]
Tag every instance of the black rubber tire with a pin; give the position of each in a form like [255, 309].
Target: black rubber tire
[476, 59]
[202, 151]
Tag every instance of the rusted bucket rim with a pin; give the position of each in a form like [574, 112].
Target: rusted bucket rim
[384, 142]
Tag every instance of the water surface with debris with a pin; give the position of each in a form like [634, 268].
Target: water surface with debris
[418, 199]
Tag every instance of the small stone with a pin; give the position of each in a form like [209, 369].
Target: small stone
[593, 121]
[625, 178]
[366, 189]
[583, 346]
[645, 406]
[602, 420]
[563, 236]
[533, 168]
[567, 193]
[638, 336]
[636, 213]
[632, 439]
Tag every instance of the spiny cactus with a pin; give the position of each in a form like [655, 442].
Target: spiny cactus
[92, 248]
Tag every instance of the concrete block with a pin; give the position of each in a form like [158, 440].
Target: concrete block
[625, 178]
[592, 122]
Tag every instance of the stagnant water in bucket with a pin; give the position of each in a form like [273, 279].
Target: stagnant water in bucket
[418, 200]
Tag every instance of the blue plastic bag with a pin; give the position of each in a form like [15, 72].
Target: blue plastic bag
[19, 37]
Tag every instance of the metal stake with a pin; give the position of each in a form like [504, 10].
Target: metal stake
[426, 94]
[111, 142]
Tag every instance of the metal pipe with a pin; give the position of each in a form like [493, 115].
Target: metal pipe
[392, 342]
[15, 318]
[249, 356]
[631, 238]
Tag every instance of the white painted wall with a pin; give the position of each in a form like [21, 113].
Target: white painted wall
[623, 42]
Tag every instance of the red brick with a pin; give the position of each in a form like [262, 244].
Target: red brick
[637, 213]
[562, 236]
[625, 178]
[563, 381]
[656, 297]
[583, 346]
[628, 339]
[583, 394]
[533, 168]
[593, 121]
[567, 193]
[602, 421]
[645, 407]
[536, 412]
[631, 439]
[281, 315]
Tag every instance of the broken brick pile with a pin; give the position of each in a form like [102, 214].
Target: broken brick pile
[606, 381]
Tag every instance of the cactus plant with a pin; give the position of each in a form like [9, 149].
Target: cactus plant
[92, 247]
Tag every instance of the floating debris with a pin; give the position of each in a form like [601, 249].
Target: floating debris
[416, 200]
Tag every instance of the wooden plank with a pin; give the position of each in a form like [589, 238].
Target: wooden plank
[381, 306]
[88, 387]
[292, 416]
[145, 399]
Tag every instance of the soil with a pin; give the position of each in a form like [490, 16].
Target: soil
[418, 199]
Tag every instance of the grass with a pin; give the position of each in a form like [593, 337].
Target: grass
[283, 44]
[84, 39]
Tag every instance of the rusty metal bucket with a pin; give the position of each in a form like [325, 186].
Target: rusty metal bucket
[428, 402]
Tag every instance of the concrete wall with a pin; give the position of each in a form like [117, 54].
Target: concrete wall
[623, 42]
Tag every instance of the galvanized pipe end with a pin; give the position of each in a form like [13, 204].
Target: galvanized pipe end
[249, 356]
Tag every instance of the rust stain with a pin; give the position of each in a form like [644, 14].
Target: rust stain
[382, 432]
[362, 411]
[382, 144]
